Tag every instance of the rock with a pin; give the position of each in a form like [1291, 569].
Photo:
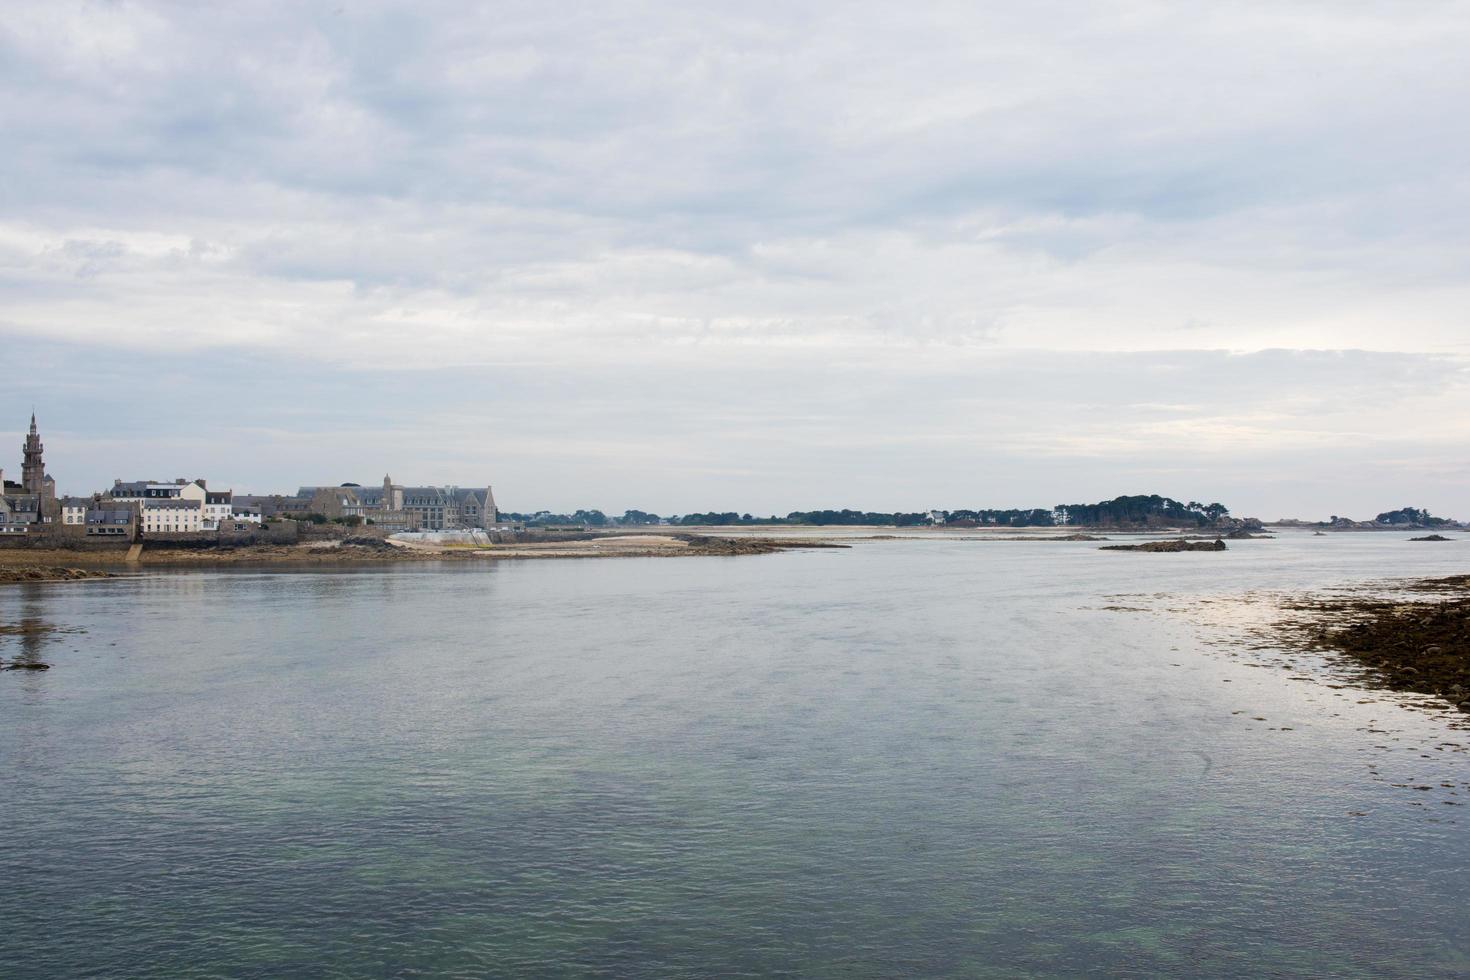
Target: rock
[1432, 537]
[1168, 546]
[28, 667]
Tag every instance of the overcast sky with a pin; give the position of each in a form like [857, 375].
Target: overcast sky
[757, 256]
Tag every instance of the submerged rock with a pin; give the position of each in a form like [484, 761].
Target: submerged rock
[1432, 537]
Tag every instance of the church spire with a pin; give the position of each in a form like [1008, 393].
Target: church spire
[33, 469]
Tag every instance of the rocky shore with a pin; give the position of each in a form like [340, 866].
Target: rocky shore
[59, 565]
[1414, 644]
[48, 573]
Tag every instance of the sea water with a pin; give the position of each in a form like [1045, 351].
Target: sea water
[932, 757]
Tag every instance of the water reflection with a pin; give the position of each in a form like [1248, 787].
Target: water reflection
[29, 632]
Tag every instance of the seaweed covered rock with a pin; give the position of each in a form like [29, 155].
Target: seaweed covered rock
[1422, 647]
[1168, 546]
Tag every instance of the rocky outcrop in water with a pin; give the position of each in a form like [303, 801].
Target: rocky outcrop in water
[41, 573]
[1168, 546]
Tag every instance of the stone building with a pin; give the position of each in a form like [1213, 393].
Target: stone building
[33, 476]
[106, 519]
[268, 506]
[31, 504]
[74, 511]
[413, 508]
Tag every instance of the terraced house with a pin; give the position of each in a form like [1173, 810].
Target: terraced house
[164, 508]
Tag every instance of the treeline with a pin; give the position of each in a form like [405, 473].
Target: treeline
[1151, 509]
[1410, 515]
[1140, 510]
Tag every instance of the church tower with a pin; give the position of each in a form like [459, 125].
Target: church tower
[33, 470]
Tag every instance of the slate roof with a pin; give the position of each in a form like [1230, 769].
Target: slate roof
[171, 503]
[109, 515]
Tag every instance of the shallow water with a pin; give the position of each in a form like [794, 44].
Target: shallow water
[924, 757]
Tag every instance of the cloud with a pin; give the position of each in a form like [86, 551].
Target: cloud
[1268, 433]
[948, 229]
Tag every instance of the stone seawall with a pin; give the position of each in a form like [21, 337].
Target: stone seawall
[338, 532]
[271, 532]
[63, 541]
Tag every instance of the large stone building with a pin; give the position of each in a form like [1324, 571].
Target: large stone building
[413, 508]
[31, 504]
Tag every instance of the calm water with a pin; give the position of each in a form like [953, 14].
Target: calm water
[935, 758]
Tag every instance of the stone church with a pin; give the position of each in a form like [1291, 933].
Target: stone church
[32, 501]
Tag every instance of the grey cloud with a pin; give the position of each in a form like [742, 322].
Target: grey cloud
[1270, 433]
[954, 230]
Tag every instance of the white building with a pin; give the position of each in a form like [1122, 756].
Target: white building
[171, 515]
[165, 508]
[218, 506]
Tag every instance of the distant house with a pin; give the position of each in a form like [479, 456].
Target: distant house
[21, 513]
[218, 506]
[269, 505]
[426, 508]
[106, 520]
[164, 508]
[248, 513]
[74, 510]
[180, 489]
[175, 516]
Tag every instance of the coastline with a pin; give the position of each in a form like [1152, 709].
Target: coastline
[18, 565]
[1415, 639]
